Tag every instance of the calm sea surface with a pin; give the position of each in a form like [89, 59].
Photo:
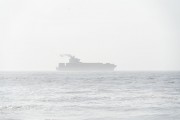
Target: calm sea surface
[90, 96]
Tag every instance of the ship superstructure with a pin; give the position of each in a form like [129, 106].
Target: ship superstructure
[75, 64]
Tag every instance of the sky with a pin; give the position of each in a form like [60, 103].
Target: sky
[133, 34]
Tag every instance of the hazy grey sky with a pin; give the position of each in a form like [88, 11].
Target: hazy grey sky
[134, 34]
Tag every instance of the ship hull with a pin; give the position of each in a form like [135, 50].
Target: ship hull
[85, 67]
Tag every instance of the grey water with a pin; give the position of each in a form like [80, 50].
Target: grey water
[89, 95]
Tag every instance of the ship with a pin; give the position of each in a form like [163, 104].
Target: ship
[75, 64]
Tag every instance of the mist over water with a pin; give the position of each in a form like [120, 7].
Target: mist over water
[89, 95]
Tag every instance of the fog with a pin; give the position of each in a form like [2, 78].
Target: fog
[133, 34]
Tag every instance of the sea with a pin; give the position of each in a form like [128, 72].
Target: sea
[90, 95]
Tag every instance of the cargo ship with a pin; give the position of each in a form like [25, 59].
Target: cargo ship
[75, 64]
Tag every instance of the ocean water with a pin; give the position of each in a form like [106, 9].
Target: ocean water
[90, 96]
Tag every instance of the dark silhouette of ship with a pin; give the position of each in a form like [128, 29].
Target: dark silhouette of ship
[75, 65]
